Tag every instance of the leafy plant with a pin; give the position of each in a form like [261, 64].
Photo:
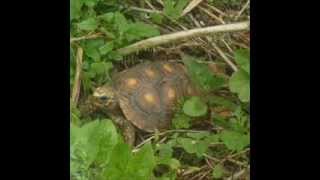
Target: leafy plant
[173, 9]
[240, 81]
[97, 151]
[194, 107]
[202, 75]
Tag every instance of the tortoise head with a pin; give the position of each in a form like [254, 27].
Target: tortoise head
[105, 98]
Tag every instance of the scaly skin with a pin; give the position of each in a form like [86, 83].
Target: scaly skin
[128, 130]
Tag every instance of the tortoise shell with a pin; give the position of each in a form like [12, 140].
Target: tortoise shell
[149, 92]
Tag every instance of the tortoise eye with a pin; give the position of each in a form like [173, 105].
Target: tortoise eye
[104, 98]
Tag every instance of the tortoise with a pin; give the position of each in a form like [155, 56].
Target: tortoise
[145, 96]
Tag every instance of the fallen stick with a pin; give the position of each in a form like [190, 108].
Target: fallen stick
[77, 79]
[169, 38]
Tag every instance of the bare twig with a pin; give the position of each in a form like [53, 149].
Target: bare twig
[242, 10]
[212, 15]
[221, 53]
[191, 6]
[227, 45]
[215, 9]
[237, 175]
[163, 133]
[89, 36]
[169, 38]
[77, 79]
[145, 10]
[150, 5]
[224, 57]
[211, 158]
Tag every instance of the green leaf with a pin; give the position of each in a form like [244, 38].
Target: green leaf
[240, 83]
[118, 162]
[75, 9]
[156, 17]
[188, 144]
[91, 144]
[142, 163]
[202, 75]
[108, 17]
[120, 22]
[91, 48]
[101, 68]
[140, 30]
[234, 141]
[125, 165]
[106, 48]
[242, 57]
[173, 9]
[91, 3]
[218, 171]
[194, 107]
[115, 55]
[105, 137]
[89, 24]
[165, 151]
[181, 121]
[193, 146]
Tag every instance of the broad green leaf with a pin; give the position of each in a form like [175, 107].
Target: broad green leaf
[108, 17]
[98, 68]
[101, 68]
[115, 55]
[120, 22]
[242, 57]
[234, 141]
[171, 162]
[89, 24]
[140, 30]
[106, 48]
[106, 138]
[165, 151]
[91, 3]
[193, 146]
[194, 107]
[75, 9]
[118, 162]
[202, 75]
[188, 144]
[218, 171]
[91, 48]
[181, 121]
[142, 163]
[240, 83]
[125, 165]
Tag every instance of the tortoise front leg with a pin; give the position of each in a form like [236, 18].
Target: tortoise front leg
[128, 130]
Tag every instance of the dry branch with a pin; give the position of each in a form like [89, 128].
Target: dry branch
[77, 79]
[89, 36]
[169, 38]
[191, 6]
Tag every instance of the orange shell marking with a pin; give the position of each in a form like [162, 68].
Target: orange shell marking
[168, 68]
[132, 82]
[171, 93]
[149, 98]
[150, 73]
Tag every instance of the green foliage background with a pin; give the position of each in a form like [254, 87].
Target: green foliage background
[97, 148]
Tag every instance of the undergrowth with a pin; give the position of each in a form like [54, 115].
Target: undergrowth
[210, 134]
